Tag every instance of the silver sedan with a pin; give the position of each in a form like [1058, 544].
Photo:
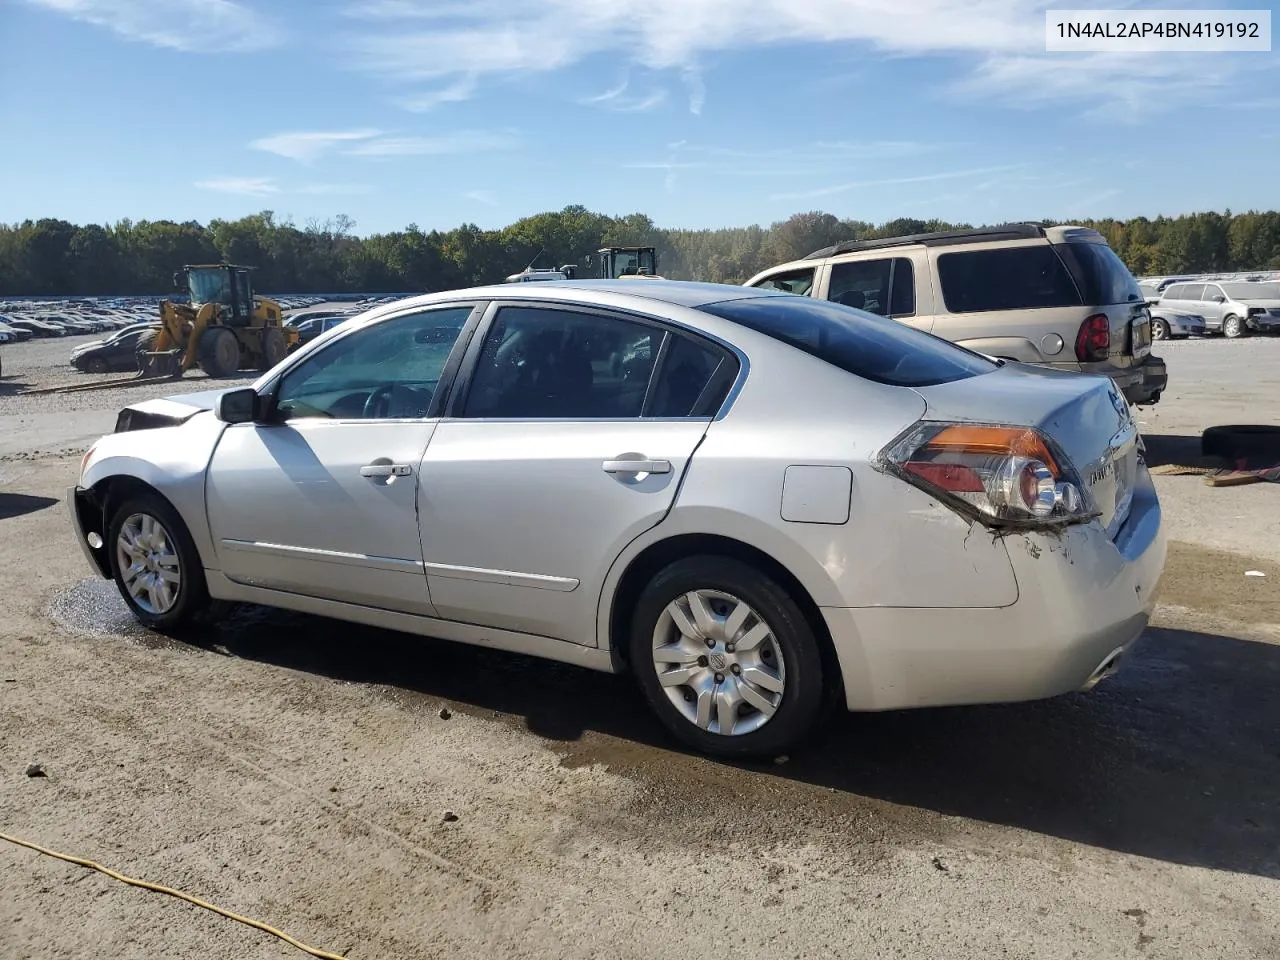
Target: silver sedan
[753, 501]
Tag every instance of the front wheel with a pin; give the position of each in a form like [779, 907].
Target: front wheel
[1160, 329]
[1232, 327]
[219, 352]
[156, 566]
[726, 658]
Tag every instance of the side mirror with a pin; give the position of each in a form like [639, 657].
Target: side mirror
[237, 406]
[177, 281]
[1219, 298]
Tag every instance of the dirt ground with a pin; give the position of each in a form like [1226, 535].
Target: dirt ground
[298, 770]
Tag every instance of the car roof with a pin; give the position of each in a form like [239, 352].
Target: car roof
[680, 293]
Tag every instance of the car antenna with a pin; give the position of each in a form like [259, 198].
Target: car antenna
[541, 251]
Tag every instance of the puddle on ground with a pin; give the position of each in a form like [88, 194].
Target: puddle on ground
[96, 608]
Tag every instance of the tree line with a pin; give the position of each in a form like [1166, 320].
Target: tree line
[51, 257]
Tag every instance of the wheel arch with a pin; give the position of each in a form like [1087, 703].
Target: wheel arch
[108, 482]
[641, 569]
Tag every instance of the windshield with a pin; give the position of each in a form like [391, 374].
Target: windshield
[633, 262]
[210, 286]
[1252, 291]
[858, 342]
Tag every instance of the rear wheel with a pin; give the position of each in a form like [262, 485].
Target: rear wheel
[1232, 326]
[219, 352]
[726, 658]
[155, 565]
[274, 347]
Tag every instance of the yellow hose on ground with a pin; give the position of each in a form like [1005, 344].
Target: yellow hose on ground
[145, 885]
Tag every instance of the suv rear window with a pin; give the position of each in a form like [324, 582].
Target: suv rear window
[1013, 278]
[1102, 277]
[857, 342]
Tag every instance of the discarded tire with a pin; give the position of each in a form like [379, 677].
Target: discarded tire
[1234, 442]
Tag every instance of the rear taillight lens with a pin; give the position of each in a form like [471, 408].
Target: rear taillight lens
[993, 473]
[1093, 341]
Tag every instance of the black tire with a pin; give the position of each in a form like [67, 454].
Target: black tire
[1160, 329]
[192, 605]
[219, 352]
[1232, 326]
[804, 684]
[274, 348]
[96, 365]
[1232, 442]
[146, 344]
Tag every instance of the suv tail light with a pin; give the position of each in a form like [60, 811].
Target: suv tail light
[998, 475]
[1093, 341]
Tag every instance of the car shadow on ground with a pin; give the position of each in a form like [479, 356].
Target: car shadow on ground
[20, 504]
[1176, 758]
[1166, 448]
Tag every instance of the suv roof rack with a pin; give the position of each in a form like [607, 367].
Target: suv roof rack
[1008, 231]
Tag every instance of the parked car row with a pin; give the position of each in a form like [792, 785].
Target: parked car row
[1232, 308]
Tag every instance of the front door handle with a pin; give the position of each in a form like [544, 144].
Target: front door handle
[637, 466]
[386, 470]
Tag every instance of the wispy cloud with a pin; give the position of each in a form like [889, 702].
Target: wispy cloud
[462, 141]
[991, 48]
[616, 99]
[197, 26]
[306, 147]
[891, 181]
[426, 100]
[823, 158]
[697, 88]
[1118, 87]
[482, 196]
[244, 186]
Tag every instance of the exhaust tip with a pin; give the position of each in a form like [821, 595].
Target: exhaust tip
[1110, 665]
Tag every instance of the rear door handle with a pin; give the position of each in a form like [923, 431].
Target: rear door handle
[386, 470]
[637, 466]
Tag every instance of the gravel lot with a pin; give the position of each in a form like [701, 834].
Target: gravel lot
[297, 770]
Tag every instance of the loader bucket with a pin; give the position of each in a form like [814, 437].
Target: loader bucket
[160, 363]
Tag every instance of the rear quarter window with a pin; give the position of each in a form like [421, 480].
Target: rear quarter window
[857, 342]
[1100, 274]
[1011, 278]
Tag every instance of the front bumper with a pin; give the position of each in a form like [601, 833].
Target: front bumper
[1083, 600]
[86, 518]
[1263, 324]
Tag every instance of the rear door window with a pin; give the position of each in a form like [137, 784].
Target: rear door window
[1011, 278]
[858, 343]
[792, 281]
[883, 287]
[1192, 291]
[545, 363]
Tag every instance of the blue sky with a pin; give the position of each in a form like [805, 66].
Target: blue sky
[701, 113]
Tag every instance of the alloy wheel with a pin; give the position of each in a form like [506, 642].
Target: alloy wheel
[718, 662]
[149, 565]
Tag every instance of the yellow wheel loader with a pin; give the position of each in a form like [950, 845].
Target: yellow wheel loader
[223, 330]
